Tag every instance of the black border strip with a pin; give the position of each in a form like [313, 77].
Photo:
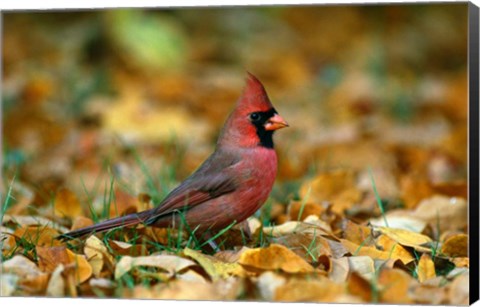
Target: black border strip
[473, 93]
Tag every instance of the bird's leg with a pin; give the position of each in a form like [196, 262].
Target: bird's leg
[245, 229]
[209, 237]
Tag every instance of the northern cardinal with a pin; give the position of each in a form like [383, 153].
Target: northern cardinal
[231, 185]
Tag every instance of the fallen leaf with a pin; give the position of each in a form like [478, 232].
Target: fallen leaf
[400, 219]
[97, 254]
[446, 213]
[230, 256]
[275, 257]
[359, 286]
[267, 284]
[357, 233]
[458, 290]
[362, 265]
[56, 284]
[214, 267]
[340, 270]
[38, 235]
[81, 222]
[406, 238]
[370, 251]
[168, 263]
[299, 210]
[316, 228]
[51, 257]
[307, 246]
[227, 289]
[461, 262]
[8, 284]
[395, 286]
[27, 220]
[67, 204]
[425, 268]
[314, 290]
[456, 246]
[21, 266]
[394, 248]
[337, 187]
[123, 203]
[127, 249]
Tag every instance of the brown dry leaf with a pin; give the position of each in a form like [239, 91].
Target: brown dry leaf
[214, 267]
[168, 263]
[357, 233]
[414, 190]
[394, 248]
[230, 256]
[275, 257]
[81, 222]
[448, 213]
[425, 268]
[426, 294]
[337, 187]
[296, 208]
[406, 238]
[307, 246]
[461, 262]
[370, 251]
[228, 289]
[395, 286]
[67, 204]
[123, 203]
[51, 257]
[359, 286]
[38, 235]
[456, 246]
[315, 290]
[311, 225]
[97, 254]
[127, 249]
[458, 290]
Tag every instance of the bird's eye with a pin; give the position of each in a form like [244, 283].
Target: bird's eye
[254, 116]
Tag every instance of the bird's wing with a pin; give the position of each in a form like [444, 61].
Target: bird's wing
[214, 178]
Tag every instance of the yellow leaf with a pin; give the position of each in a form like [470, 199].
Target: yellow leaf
[370, 251]
[302, 290]
[406, 238]
[67, 204]
[97, 254]
[425, 268]
[395, 285]
[38, 235]
[337, 187]
[275, 257]
[214, 267]
[51, 257]
[170, 264]
[394, 248]
[449, 213]
[456, 246]
[56, 284]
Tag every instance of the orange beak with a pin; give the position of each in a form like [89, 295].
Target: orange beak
[275, 122]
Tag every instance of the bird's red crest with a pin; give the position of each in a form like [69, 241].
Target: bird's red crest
[254, 96]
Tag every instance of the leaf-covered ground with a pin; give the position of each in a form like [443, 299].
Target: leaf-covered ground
[105, 112]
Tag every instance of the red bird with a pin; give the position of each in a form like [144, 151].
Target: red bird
[231, 185]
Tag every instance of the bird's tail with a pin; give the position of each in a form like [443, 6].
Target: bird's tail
[122, 221]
